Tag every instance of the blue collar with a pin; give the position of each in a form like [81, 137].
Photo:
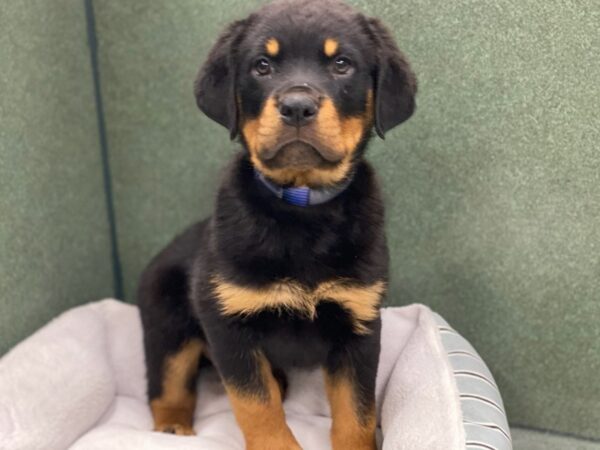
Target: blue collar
[302, 196]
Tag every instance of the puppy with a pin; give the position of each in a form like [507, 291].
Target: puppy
[291, 269]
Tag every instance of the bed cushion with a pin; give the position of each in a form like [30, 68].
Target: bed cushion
[484, 417]
[79, 383]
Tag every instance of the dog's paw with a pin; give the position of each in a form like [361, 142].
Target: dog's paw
[175, 428]
[275, 446]
[274, 443]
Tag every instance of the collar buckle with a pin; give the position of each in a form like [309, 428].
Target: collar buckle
[302, 196]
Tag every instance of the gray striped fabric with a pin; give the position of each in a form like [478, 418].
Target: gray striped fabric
[484, 418]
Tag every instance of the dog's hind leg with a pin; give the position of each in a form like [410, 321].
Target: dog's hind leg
[173, 343]
[173, 408]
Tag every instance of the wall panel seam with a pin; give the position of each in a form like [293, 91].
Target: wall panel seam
[104, 150]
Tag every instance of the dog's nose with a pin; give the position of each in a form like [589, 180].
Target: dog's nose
[297, 108]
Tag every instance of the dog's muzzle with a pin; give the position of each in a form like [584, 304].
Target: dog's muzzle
[299, 142]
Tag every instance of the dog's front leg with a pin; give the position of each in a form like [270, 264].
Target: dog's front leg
[256, 400]
[350, 375]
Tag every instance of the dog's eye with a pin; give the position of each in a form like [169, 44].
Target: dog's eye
[262, 66]
[342, 65]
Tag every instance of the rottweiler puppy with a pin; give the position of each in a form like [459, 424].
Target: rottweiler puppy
[291, 269]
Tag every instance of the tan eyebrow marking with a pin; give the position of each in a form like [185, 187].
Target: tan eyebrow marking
[330, 47]
[272, 47]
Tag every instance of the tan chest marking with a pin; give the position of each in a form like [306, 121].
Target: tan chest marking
[361, 301]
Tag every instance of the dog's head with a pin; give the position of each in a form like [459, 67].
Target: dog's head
[303, 82]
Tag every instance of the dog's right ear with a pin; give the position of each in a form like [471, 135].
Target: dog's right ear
[214, 87]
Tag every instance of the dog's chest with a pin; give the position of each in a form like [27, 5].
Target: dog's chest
[291, 340]
[359, 302]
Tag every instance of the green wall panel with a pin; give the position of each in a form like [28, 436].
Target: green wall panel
[534, 440]
[165, 155]
[493, 193]
[54, 241]
[492, 187]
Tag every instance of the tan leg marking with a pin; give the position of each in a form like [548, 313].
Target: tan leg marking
[361, 301]
[349, 430]
[261, 417]
[173, 411]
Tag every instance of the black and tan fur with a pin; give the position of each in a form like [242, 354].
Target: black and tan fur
[263, 286]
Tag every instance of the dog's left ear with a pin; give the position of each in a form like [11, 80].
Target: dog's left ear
[395, 84]
[214, 87]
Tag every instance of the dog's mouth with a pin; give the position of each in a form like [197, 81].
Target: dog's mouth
[295, 154]
[300, 153]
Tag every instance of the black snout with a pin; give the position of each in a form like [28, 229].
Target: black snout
[298, 108]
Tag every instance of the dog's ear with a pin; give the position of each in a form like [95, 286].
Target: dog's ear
[214, 87]
[395, 84]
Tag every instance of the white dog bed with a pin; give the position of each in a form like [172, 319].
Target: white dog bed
[79, 383]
